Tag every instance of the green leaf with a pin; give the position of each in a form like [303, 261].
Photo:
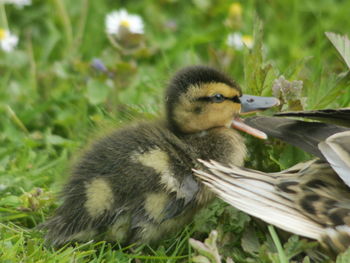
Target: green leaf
[344, 257]
[290, 155]
[250, 242]
[342, 44]
[258, 75]
[15, 59]
[11, 201]
[96, 92]
[55, 139]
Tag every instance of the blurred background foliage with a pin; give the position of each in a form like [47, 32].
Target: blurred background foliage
[67, 81]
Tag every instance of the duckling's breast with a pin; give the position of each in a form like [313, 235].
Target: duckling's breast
[223, 145]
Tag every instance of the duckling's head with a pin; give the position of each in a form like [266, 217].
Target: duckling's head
[199, 98]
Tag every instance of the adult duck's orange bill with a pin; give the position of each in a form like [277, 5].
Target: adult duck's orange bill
[250, 104]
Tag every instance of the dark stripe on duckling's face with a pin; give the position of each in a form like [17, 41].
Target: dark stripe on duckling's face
[218, 98]
[206, 106]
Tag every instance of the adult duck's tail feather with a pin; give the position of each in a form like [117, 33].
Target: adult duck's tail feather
[335, 116]
[337, 238]
[305, 135]
[271, 199]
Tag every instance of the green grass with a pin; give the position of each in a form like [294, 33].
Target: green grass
[52, 102]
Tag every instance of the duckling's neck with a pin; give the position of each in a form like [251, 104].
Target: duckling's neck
[221, 144]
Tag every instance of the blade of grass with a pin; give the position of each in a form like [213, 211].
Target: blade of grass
[16, 120]
[3, 16]
[282, 256]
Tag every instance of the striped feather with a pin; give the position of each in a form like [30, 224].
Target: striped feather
[295, 209]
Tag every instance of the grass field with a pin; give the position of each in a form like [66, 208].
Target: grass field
[66, 81]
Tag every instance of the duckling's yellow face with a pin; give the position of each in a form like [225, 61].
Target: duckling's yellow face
[207, 105]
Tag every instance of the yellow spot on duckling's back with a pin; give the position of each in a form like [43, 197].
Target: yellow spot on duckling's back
[151, 232]
[155, 204]
[119, 230]
[159, 161]
[99, 197]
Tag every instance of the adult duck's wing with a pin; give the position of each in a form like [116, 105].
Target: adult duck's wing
[305, 135]
[254, 192]
[336, 116]
[326, 141]
[336, 149]
[306, 199]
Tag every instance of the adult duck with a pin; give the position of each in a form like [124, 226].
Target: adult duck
[311, 199]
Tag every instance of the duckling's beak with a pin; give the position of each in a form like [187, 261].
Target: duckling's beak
[250, 104]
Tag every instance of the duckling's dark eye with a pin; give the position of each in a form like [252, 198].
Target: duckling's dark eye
[217, 98]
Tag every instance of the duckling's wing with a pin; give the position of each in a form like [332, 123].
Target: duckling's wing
[182, 198]
[335, 116]
[305, 135]
[336, 149]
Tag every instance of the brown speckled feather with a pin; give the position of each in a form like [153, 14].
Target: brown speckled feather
[308, 200]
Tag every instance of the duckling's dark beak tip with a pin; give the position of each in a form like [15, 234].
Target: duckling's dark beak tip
[250, 103]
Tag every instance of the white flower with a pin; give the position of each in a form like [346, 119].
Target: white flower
[8, 41]
[237, 41]
[18, 3]
[118, 20]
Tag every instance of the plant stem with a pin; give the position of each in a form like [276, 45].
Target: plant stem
[33, 67]
[16, 120]
[3, 16]
[64, 17]
[282, 256]
[81, 25]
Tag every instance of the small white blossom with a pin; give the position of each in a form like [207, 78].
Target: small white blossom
[18, 3]
[8, 41]
[237, 41]
[116, 21]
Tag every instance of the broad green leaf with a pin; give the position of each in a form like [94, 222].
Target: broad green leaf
[55, 139]
[342, 44]
[10, 201]
[96, 92]
[258, 75]
[250, 242]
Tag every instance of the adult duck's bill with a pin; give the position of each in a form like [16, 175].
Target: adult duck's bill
[250, 104]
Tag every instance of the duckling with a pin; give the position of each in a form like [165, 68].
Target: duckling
[136, 185]
[311, 199]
